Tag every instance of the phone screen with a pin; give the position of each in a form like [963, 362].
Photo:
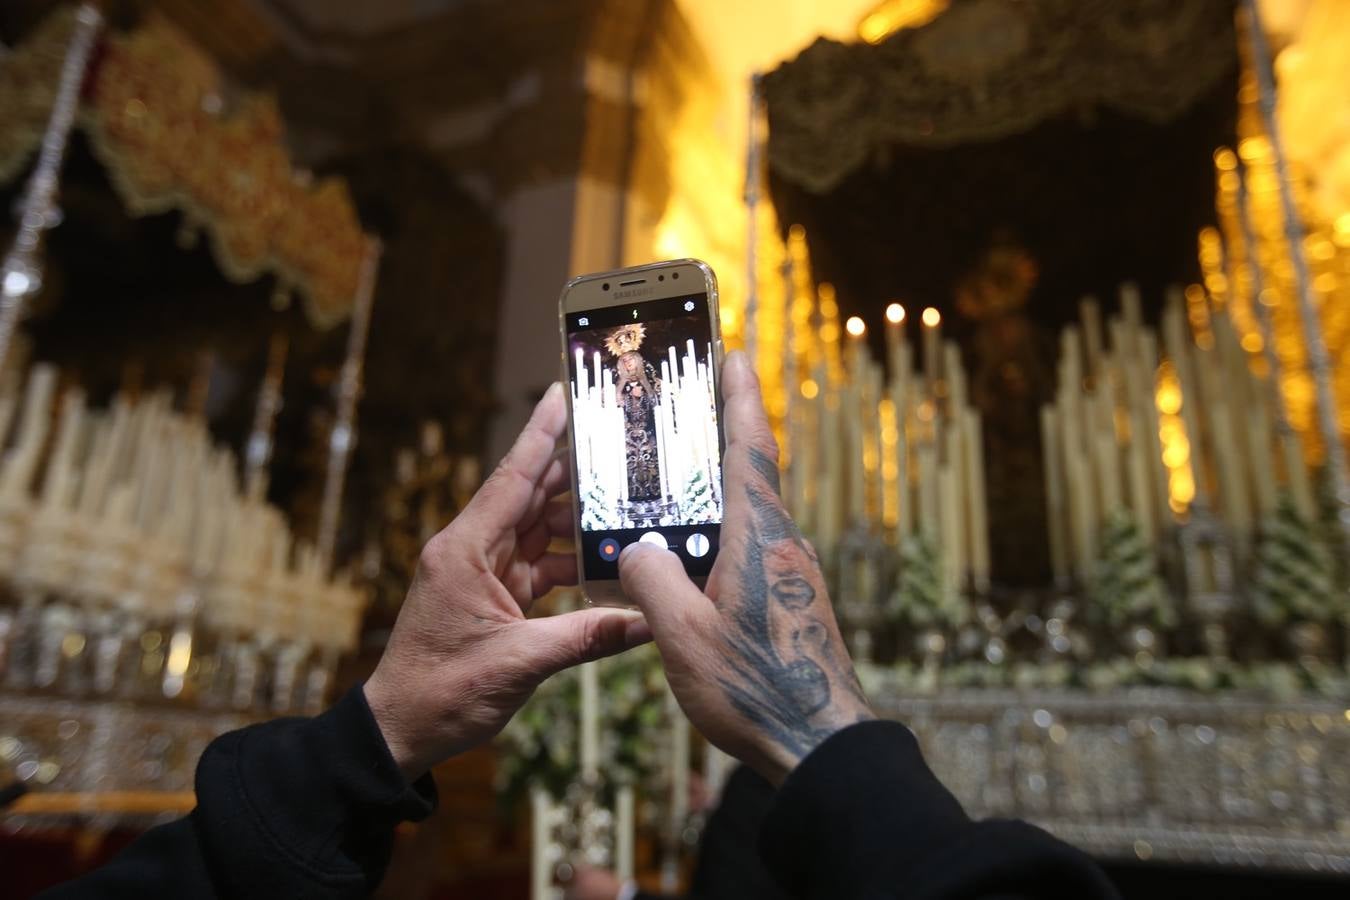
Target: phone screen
[646, 440]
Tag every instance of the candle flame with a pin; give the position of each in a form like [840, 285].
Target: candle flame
[931, 317]
[855, 326]
[895, 314]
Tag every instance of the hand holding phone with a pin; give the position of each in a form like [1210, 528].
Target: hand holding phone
[641, 356]
[755, 658]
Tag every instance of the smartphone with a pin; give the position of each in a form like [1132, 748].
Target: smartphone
[642, 356]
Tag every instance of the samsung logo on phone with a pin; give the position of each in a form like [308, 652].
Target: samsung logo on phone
[634, 292]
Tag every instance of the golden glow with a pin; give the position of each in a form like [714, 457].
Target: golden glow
[180, 654]
[890, 468]
[810, 389]
[1252, 342]
[855, 326]
[931, 317]
[1169, 398]
[895, 314]
[1225, 159]
[891, 16]
[1176, 453]
[1253, 149]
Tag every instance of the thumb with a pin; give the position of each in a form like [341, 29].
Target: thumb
[655, 580]
[559, 642]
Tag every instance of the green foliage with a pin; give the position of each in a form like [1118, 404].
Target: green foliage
[1125, 587]
[921, 598]
[1294, 574]
[541, 744]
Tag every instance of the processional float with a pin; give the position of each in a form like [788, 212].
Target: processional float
[153, 598]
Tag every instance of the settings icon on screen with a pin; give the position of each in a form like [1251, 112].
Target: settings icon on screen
[689, 306]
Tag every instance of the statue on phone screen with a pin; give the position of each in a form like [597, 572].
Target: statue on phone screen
[637, 390]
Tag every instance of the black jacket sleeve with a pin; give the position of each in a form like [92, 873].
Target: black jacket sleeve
[863, 816]
[292, 808]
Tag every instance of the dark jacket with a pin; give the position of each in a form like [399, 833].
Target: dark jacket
[299, 808]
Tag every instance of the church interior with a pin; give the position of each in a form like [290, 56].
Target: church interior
[1049, 300]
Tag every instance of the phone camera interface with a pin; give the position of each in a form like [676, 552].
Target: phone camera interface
[647, 445]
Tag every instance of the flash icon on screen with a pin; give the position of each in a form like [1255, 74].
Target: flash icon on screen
[689, 306]
[583, 321]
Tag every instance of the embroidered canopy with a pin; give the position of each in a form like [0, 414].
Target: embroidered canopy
[160, 117]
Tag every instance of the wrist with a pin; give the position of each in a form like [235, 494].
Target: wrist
[390, 722]
[777, 760]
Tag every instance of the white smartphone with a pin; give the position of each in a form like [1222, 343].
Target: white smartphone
[642, 357]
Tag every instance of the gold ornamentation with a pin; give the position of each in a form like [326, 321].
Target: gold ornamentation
[157, 116]
[625, 339]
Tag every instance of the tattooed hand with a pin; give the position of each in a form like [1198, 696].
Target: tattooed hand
[757, 662]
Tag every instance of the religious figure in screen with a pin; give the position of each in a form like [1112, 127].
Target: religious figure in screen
[637, 390]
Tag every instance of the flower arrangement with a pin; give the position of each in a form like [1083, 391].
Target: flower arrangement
[540, 745]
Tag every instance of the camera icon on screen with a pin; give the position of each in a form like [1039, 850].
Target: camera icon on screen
[689, 306]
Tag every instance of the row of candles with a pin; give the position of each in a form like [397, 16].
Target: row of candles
[1130, 430]
[893, 451]
[135, 565]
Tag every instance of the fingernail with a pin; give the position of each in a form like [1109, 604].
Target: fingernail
[553, 388]
[637, 632]
[735, 360]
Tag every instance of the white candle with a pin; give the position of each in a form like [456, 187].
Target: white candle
[958, 528]
[928, 491]
[1179, 349]
[932, 341]
[541, 836]
[590, 721]
[900, 488]
[895, 336]
[949, 523]
[1104, 446]
[625, 822]
[1055, 512]
[1091, 315]
[956, 379]
[1080, 511]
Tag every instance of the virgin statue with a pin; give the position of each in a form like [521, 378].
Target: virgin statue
[637, 390]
